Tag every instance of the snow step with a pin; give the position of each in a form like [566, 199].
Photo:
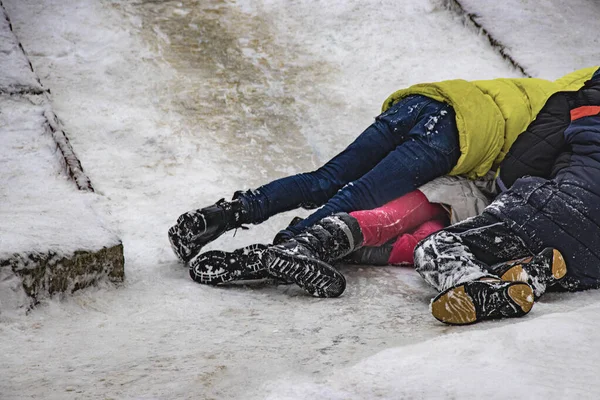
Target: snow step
[17, 76]
[51, 239]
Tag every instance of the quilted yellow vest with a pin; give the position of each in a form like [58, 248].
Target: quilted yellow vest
[490, 114]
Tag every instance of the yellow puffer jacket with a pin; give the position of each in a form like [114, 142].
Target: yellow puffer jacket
[490, 114]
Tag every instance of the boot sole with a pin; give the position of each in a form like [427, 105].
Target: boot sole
[559, 266]
[314, 276]
[186, 244]
[186, 249]
[456, 307]
[177, 245]
[217, 267]
[518, 274]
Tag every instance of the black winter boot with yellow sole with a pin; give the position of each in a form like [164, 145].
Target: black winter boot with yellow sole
[476, 301]
[540, 271]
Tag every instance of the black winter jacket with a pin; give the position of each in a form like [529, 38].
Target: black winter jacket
[558, 203]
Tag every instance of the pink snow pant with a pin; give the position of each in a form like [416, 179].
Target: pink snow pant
[410, 218]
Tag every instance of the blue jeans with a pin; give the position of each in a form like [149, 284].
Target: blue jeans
[411, 143]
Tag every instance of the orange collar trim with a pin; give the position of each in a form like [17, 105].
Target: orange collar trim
[584, 111]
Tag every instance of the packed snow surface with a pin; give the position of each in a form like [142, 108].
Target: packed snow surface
[173, 105]
[548, 37]
[41, 210]
[16, 73]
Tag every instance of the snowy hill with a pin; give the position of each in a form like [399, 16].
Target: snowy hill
[173, 105]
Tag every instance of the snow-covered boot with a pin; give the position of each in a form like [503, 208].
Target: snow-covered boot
[475, 301]
[305, 258]
[540, 271]
[286, 234]
[195, 229]
[215, 267]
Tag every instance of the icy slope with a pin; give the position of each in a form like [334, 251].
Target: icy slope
[173, 105]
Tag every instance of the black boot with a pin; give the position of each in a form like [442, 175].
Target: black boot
[195, 229]
[286, 234]
[540, 271]
[476, 301]
[305, 258]
[368, 255]
[215, 267]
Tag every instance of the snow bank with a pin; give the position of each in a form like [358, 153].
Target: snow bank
[51, 240]
[48, 229]
[16, 73]
[41, 209]
[548, 38]
[550, 357]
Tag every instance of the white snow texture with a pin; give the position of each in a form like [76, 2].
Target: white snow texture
[173, 105]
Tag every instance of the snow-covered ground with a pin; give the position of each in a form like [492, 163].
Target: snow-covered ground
[42, 211]
[172, 105]
[547, 37]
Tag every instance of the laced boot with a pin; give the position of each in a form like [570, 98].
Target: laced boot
[487, 298]
[540, 271]
[195, 229]
[305, 258]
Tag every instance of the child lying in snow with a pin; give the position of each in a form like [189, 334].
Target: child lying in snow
[305, 257]
[542, 233]
[548, 219]
[426, 131]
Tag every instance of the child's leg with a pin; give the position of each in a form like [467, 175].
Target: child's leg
[404, 248]
[431, 151]
[396, 217]
[465, 251]
[399, 252]
[456, 262]
[313, 189]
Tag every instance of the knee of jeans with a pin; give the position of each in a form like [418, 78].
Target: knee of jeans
[320, 185]
[326, 176]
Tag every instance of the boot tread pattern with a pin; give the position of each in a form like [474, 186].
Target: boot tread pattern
[546, 268]
[216, 267]
[479, 300]
[314, 276]
[196, 228]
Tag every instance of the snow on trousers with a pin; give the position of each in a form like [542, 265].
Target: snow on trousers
[468, 251]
